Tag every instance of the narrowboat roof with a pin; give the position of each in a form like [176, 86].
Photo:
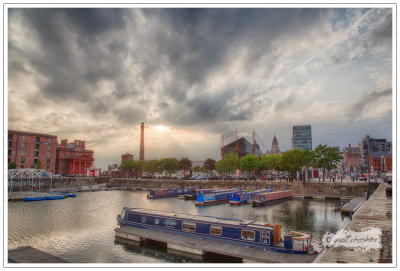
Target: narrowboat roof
[211, 219]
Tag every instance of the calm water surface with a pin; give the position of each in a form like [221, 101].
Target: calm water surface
[81, 229]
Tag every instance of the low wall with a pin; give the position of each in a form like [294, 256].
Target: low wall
[321, 188]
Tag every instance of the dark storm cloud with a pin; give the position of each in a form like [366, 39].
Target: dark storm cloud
[73, 68]
[129, 114]
[155, 57]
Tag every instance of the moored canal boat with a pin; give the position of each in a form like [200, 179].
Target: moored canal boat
[234, 231]
[167, 193]
[271, 198]
[193, 194]
[210, 199]
[246, 197]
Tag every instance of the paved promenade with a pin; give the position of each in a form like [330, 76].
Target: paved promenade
[376, 213]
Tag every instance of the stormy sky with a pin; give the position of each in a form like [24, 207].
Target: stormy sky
[191, 74]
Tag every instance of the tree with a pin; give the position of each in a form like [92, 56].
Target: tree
[169, 165]
[327, 158]
[249, 163]
[292, 161]
[196, 169]
[269, 162]
[228, 164]
[12, 165]
[151, 166]
[132, 166]
[209, 164]
[185, 164]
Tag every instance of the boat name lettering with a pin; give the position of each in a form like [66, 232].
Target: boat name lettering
[170, 222]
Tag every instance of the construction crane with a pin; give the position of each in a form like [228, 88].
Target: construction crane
[255, 134]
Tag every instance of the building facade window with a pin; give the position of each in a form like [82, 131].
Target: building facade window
[36, 161]
[49, 147]
[10, 144]
[37, 139]
[36, 153]
[23, 137]
[23, 145]
[48, 161]
[36, 146]
[48, 154]
[22, 152]
[9, 152]
[10, 137]
[22, 160]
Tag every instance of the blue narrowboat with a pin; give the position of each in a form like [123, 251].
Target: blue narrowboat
[167, 193]
[234, 231]
[193, 194]
[196, 192]
[246, 197]
[210, 199]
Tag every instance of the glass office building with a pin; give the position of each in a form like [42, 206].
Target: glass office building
[302, 138]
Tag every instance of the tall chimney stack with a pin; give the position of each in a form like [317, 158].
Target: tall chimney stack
[141, 157]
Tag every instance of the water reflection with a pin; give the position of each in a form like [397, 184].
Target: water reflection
[81, 229]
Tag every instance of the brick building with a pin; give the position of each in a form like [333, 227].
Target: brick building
[26, 149]
[73, 159]
[127, 156]
[380, 162]
[372, 145]
[352, 158]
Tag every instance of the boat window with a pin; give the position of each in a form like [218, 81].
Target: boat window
[143, 219]
[248, 235]
[216, 230]
[190, 226]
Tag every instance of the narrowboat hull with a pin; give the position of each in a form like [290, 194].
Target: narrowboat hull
[206, 203]
[257, 203]
[189, 197]
[235, 231]
[167, 193]
[211, 199]
[247, 197]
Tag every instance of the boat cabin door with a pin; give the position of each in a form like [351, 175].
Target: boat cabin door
[266, 238]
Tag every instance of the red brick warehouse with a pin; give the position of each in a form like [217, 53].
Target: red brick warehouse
[26, 149]
[73, 159]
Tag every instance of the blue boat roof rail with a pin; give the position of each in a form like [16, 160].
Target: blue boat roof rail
[248, 223]
[233, 219]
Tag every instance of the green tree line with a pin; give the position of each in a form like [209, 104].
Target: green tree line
[292, 161]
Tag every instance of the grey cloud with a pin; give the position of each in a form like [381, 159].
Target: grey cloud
[364, 101]
[129, 114]
[161, 61]
[284, 104]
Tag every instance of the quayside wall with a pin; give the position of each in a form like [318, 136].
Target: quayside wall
[321, 188]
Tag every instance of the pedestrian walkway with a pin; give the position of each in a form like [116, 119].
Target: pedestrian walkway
[376, 213]
[351, 207]
[32, 255]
